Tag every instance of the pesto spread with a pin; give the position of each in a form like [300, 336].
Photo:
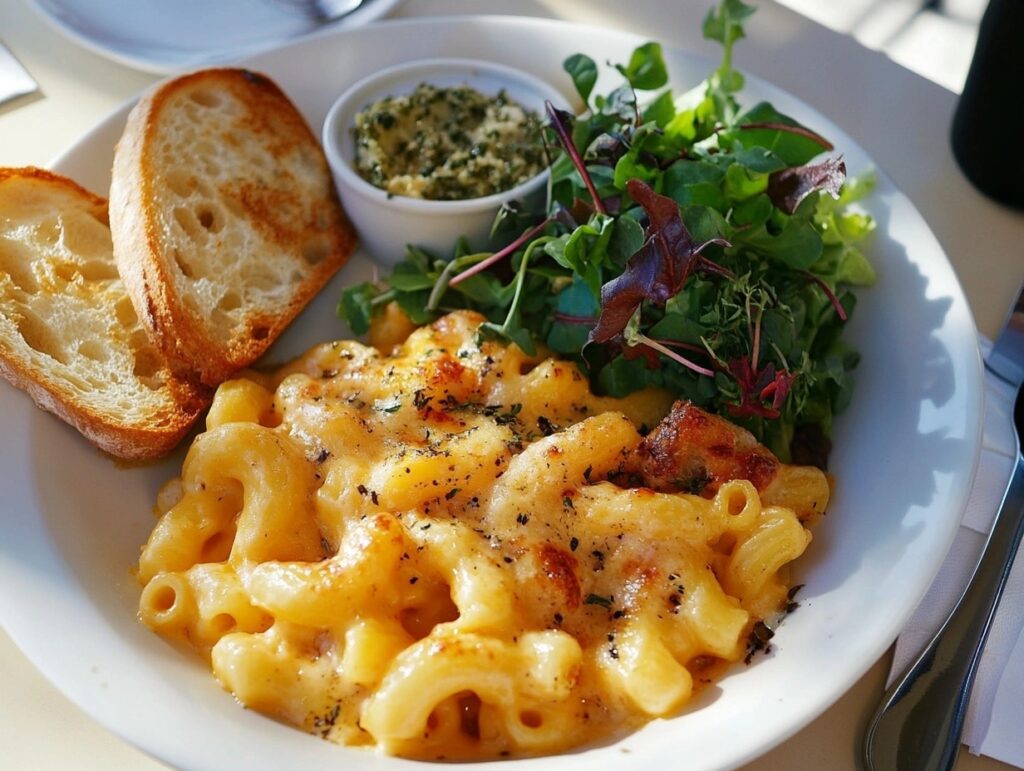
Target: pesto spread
[447, 144]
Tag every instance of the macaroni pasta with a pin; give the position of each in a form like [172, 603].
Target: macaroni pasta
[457, 551]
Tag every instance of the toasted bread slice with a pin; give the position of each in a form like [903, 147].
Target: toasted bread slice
[224, 217]
[68, 332]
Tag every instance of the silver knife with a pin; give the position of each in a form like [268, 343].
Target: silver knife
[917, 726]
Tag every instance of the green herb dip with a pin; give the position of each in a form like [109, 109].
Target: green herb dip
[447, 144]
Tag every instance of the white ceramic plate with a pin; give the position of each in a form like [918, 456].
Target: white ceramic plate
[905, 453]
[170, 35]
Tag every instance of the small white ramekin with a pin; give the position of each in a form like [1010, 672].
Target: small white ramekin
[386, 223]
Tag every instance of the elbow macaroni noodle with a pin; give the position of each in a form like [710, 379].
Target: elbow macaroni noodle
[430, 552]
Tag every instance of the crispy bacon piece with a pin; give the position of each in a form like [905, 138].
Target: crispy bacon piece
[695, 452]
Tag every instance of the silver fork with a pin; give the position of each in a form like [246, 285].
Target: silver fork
[918, 724]
[323, 11]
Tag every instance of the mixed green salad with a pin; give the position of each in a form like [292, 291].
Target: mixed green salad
[687, 243]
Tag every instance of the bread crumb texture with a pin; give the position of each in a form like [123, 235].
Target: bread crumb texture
[68, 331]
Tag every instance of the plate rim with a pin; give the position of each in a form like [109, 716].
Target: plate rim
[975, 398]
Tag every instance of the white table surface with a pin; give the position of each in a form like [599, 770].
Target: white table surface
[901, 119]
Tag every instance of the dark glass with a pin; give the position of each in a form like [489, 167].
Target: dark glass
[988, 128]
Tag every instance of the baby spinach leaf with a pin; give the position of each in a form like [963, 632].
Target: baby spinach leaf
[646, 68]
[724, 23]
[356, 306]
[583, 71]
[409, 277]
[797, 245]
[660, 111]
[764, 126]
[626, 239]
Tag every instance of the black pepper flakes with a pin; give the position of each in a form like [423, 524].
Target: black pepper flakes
[759, 640]
[420, 399]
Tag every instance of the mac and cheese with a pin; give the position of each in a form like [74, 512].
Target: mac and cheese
[458, 551]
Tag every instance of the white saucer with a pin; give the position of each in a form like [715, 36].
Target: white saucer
[164, 37]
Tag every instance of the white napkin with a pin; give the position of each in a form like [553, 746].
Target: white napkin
[993, 724]
[14, 79]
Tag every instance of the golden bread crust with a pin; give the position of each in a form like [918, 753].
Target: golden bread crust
[221, 252]
[67, 334]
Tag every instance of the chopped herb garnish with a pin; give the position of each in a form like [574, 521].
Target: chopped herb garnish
[508, 417]
[759, 639]
[387, 405]
[420, 399]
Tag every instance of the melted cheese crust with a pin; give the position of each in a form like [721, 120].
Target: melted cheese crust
[424, 552]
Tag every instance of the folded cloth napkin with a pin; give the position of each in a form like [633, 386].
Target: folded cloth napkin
[993, 726]
[14, 79]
